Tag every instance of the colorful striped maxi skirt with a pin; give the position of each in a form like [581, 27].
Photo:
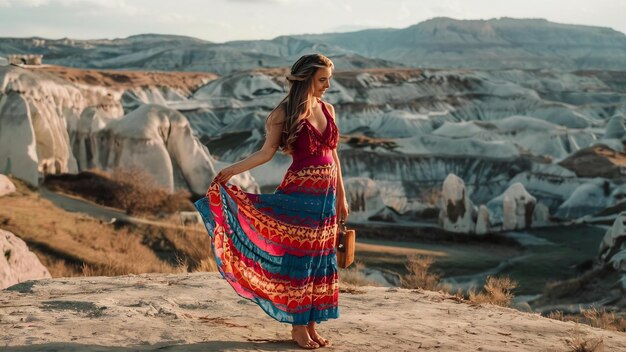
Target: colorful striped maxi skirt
[278, 249]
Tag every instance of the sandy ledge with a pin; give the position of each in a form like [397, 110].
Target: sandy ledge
[201, 312]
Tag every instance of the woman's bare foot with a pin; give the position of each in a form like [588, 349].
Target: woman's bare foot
[300, 334]
[315, 336]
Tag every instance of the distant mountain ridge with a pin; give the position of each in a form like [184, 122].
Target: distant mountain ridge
[495, 43]
[436, 43]
[178, 53]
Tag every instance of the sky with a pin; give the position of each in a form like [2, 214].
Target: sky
[227, 20]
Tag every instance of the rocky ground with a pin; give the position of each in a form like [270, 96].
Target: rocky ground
[200, 312]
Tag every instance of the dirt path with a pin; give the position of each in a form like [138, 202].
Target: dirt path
[108, 214]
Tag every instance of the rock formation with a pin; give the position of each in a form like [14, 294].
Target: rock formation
[17, 263]
[490, 128]
[612, 251]
[49, 125]
[513, 209]
[616, 128]
[587, 199]
[364, 198]
[6, 186]
[18, 146]
[457, 213]
[160, 141]
[597, 161]
[483, 224]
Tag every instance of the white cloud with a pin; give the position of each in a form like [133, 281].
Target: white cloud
[224, 20]
[23, 3]
[176, 18]
[282, 2]
[404, 12]
[80, 6]
[93, 6]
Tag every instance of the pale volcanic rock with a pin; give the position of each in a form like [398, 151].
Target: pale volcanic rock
[436, 110]
[160, 141]
[616, 128]
[614, 240]
[17, 263]
[526, 133]
[201, 312]
[551, 184]
[42, 107]
[51, 101]
[457, 213]
[491, 128]
[612, 251]
[432, 144]
[133, 97]
[588, 198]
[244, 88]
[483, 225]
[51, 114]
[364, 197]
[541, 215]
[6, 186]
[18, 146]
[513, 209]
[83, 132]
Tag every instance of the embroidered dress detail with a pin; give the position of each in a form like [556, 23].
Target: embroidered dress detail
[318, 141]
[278, 249]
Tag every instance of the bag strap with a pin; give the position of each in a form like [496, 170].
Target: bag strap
[341, 245]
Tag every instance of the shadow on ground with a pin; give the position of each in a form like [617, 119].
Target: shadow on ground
[254, 345]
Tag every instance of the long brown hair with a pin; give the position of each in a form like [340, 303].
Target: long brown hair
[297, 104]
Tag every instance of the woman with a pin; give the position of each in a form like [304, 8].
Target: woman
[279, 249]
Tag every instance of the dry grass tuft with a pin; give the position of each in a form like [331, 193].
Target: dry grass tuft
[601, 318]
[556, 315]
[419, 275]
[598, 318]
[193, 248]
[351, 278]
[56, 266]
[127, 244]
[497, 290]
[580, 344]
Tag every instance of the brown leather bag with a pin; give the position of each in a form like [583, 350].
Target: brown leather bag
[345, 244]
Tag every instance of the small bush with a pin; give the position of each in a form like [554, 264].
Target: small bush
[354, 276]
[497, 290]
[559, 289]
[419, 275]
[580, 344]
[599, 318]
[131, 189]
[556, 315]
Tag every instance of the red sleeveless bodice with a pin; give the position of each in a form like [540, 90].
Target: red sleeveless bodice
[313, 147]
